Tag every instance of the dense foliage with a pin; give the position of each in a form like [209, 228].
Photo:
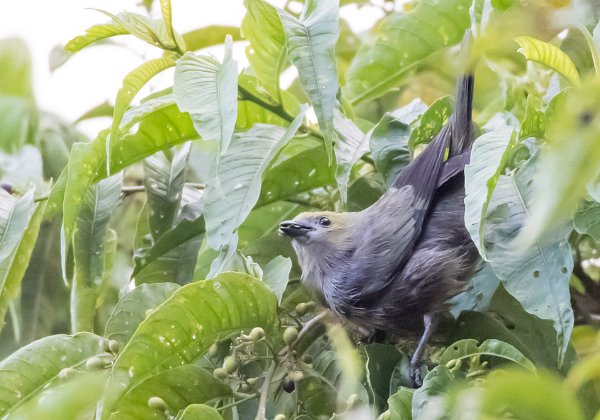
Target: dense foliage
[155, 244]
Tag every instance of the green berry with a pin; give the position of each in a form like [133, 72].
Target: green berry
[256, 334]
[230, 364]
[220, 373]
[95, 363]
[157, 403]
[280, 417]
[114, 346]
[213, 350]
[301, 309]
[297, 375]
[290, 335]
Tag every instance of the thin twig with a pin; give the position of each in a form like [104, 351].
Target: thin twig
[261, 413]
[233, 404]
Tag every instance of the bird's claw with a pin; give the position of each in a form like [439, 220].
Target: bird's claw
[416, 377]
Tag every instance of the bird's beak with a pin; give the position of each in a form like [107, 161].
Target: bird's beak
[293, 229]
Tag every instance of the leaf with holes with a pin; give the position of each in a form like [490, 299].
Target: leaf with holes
[178, 332]
[235, 189]
[207, 90]
[465, 349]
[311, 43]
[587, 220]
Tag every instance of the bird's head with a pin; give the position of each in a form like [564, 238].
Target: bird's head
[320, 228]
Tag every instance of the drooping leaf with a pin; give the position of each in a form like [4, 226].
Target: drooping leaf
[465, 349]
[545, 265]
[569, 162]
[380, 63]
[94, 34]
[207, 90]
[489, 157]
[132, 83]
[236, 188]
[277, 275]
[132, 309]
[210, 35]
[27, 370]
[89, 241]
[266, 53]
[12, 268]
[311, 43]
[177, 387]
[549, 55]
[587, 220]
[164, 178]
[15, 213]
[198, 411]
[389, 139]
[351, 145]
[178, 332]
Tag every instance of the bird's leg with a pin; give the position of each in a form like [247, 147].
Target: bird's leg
[414, 368]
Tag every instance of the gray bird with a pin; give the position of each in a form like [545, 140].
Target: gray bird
[393, 266]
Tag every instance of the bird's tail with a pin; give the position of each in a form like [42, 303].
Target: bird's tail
[462, 126]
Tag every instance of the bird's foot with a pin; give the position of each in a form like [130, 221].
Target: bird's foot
[416, 376]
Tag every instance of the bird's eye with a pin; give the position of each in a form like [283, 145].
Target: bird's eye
[324, 221]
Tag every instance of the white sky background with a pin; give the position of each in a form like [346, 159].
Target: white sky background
[94, 75]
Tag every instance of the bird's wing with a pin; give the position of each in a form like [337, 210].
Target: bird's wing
[453, 166]
[388, 230]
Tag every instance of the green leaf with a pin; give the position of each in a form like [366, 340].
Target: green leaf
[380, 63]
[587, 220]
[426, 400]
[381, 359]
[198, 411]
[235, 189]
[277, 275]
[15, 62]
[164, 178]
[132, 309]
[18, 118]
[105, 109]
[89, 250]
[132, 83]
[534, 121]
[185, 325]
[400, 404]
[465, 349]
[432, 121]
[15, 213]
[13, 268]
[389, 139]
[311, 48]
[569, 162]
[207, 90]
[549, 55]
[538, 276]
[26, 371]
[177, 387]
[210, 35]
[165, 10]
[351, 145]
[478, 293]
[74, 397]
[266, 53]
[94, 34]
[489, 157]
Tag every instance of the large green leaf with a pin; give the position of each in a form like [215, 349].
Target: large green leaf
[199, 411]
[235, 189]
[164, 177]
[465, 349]
[477, 294]
[209, 36]
[132, 309]
[311, 43]
[89, 250]
[380, 362]
[538, 276]
[132, 83]
[549, 55]
[489, 156]
[15, 213]
[401, 42]
[587, 220]
[426, 400]
[400, 405]
[389, 139]
[351, 145]
[185, 325]
[277, 275]
[569, 161]
[177, 387]
[15, 62]
[207, 90]
[13, 268]
[26, 371]
[266, 53]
